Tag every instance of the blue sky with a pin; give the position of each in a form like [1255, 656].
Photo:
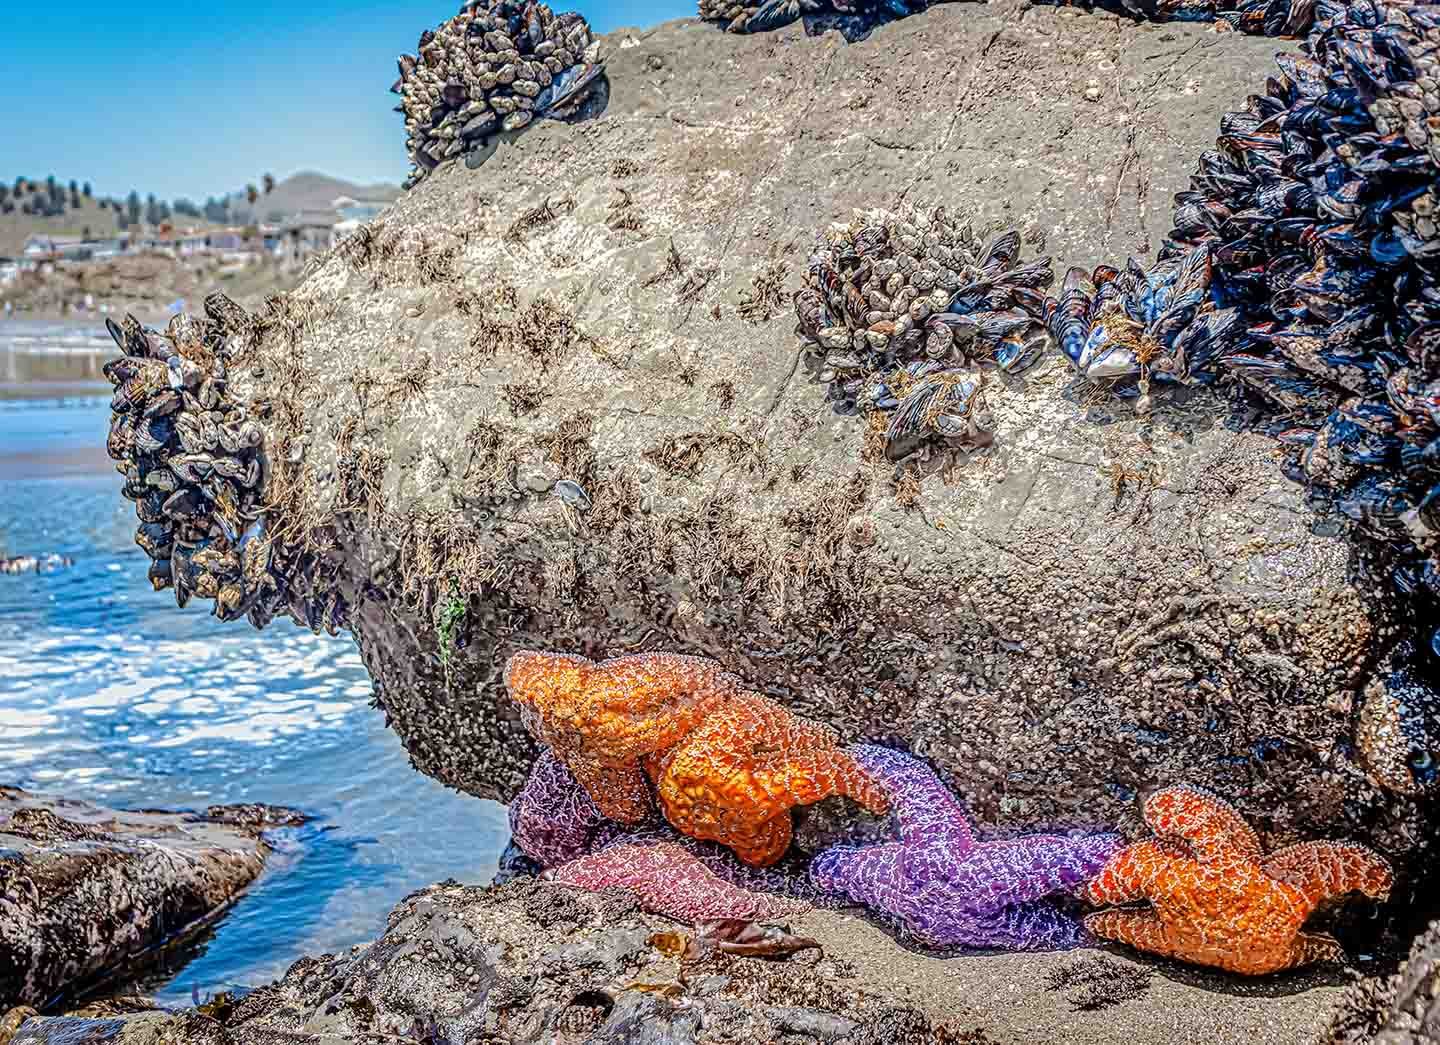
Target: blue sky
[186, 99]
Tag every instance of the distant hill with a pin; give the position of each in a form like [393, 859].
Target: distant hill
[17, 227]
[306, 190]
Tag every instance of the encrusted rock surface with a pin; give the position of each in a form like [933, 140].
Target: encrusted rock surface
[557, 402]
[1403, 1009]
[85, 891]
[530, 962]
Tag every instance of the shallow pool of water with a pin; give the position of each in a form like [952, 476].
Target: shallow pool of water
[109, 692]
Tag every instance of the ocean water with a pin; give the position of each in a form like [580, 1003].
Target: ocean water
[109, 692]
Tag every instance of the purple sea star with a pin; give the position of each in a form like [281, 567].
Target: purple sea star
[945, 888]
[554, 821]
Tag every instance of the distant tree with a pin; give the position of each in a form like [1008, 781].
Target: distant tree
[251, 195]
[132, 208]
[50, 185]
[269, 183]
[164, 211]
[4, 193]
[86, 191]
[74, 187]
[19, 186]
[74, 198]
[186, 207]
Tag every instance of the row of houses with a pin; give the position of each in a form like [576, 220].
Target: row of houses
[291, 243]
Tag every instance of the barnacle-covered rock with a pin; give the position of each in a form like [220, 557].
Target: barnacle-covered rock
[1299, 271]
[492, 69]
[900, 310]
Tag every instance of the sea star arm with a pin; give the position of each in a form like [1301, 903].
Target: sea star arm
[1324, 869]
[1208, 824]
[871, 875]
[921, 804]
[670, 881]
[1022, 869]
[801, 779]
[553, 820]
[1315, 947]
[1029, 927]
[1141, 929]
[619, 791]
[1133, 873]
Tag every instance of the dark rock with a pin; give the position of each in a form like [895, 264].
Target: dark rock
[88, 891]
[1403, 1009]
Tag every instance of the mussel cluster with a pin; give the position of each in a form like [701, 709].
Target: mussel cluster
[853, 17]
[1301, 272]
[493, 67]
[903, 309]
[1255, 17]
[194, 460]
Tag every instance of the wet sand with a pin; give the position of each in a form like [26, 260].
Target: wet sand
[54, 464]
[1006, 995]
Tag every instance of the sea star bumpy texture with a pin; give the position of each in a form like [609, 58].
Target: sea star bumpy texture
[1217, 899]
[735, 779]
[603, 719]
[668, 879]
[728, 765]
[554, 821]
[945, 888]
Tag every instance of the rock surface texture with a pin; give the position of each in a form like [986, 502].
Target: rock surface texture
[557, 402]
[1403, 1009]
[531, 962]
[86, 891]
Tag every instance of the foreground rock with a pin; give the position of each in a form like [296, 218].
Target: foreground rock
[1403, 1009]
[531, 962]
[1093, 607]
[86, 891]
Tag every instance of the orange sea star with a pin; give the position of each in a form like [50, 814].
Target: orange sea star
[602, 719]
[1216, 898]
[735, 778]
[728, 765]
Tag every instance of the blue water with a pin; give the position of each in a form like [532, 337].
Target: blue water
[109, 692]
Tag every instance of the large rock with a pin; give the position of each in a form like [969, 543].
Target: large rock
[1094, 606]
[531, 963]
[86, 891]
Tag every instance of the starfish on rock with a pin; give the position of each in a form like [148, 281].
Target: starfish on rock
[1216, 898]
[553, 821]
[728, 765]
[602, 719]
[943, 886]
[668, 879]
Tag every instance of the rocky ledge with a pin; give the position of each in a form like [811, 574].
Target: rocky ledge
[558, 403]
[532, 962]
[87, 892]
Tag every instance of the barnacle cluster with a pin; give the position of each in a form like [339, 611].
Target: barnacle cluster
[194, 457]
[492, 68]
[902, 309]
[854, 18]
